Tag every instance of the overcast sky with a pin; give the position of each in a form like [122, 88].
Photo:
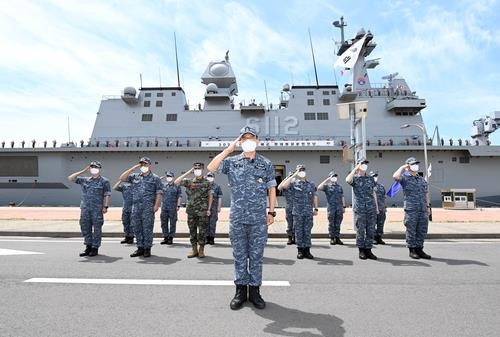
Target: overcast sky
[58, 58]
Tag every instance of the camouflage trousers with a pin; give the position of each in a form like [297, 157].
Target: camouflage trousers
[248, 242]
[168, 219]
[416, 223]
[303, 226]
[127, 225]
[198, 225]
[290, 231]
[91, 222]
[335, 217]
[364, 224]
[380, 223]
[143, 219]
[212, 222]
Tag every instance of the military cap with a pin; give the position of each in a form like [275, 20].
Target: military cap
[248, 129]
[198, 165]
[301, 167]
[362, 160]
[169, 174]
[211, 174]
[373, 174]
[411, 161]
[333, 174]
[145, 160]
[95, 163]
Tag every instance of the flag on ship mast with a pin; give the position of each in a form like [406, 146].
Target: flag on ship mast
[350, 56]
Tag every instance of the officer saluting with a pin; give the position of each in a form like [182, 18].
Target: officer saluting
[95, 200]
[251, 180]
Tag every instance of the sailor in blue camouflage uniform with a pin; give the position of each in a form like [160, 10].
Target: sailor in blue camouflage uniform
[288, 193]
[252, 181]
[146, 200]
[416, 207]
[216, 208]
[381, 199]
[365, 208]
[198, 209]
[305, 206]
[126, 190]
[335, 206]
[170, 205]
[96, 192]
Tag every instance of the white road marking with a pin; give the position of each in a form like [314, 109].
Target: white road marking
[16, 252]
[150, 282]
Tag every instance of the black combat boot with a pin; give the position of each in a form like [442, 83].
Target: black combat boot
[211, 240]
[307, 253]
[239, 298]
[147, 252]
[94, 252]
[125, 240]
[87, 250]
[290, 241]
[255, 298]
[300, 253]
[165, 241]
[422, 254]
[370, 255]
[333, 241]
[338, 241]
[170, 240]
[414, 254]
[138, 252]
[362, 254]
[378, 240]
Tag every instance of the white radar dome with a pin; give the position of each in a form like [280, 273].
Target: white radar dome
[212, 88]
[129, 91]
[219, 69]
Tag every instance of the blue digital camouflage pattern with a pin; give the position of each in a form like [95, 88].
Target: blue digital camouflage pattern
[168, 215]
[380, 192]
[249, 181]
[91, 217]
[335, 207]
[303, 196]
[198, 192]
[365, 210]
[288, 193]
[126, 191]
[416, 218]
[214, 214]
[145, 189]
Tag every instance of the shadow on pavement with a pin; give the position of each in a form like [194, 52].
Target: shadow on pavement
[100, 259]
[278, 262]
[293, 322]
[215, 260]
[157, 260]
[332, 262]
[453, 262]
[404, 263]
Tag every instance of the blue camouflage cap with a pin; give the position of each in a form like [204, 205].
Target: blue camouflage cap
[333, 174]
[145, 160]
[211, 174]
[248, 129]
[95, 163]
[362, 160]
[169, 174]
[411, 161]
[301, 167]
[373, 174]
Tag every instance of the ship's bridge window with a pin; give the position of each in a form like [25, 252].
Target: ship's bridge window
[159, 94]
[310, 102]
[310, 93]
[174, 93]
[324, 159]
[171, 118]
[159, 104]
[147, 117]
[326, 101]
[309, 116]
[322, 116]
[148, 94]
[326, 93]
[334, 92]
[147, 104]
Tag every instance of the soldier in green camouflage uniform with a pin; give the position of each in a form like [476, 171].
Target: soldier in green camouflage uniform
[199, 203]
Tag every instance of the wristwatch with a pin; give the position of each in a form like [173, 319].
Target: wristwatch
[315, 209]
[273, 214]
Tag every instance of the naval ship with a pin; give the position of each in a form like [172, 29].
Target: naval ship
[324, 127]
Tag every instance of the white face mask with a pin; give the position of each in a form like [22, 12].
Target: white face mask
[363, 167]
[144, 169]
[375, 178]
[414, 167]
[248, 146]
[211, 179]
[94, 171]
[333, 179]
[301, 174]
[169, 179]
[197, 172]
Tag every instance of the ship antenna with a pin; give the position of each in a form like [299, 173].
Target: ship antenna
[140, 78]
[314, 61]
[267, 99]
[69, 132]
[340, 25]
[177, 62]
